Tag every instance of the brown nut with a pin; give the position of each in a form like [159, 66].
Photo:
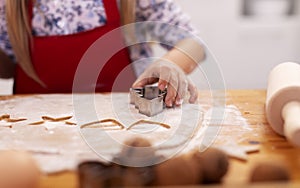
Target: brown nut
[136, 158]
[97, 174]
[18, 170]
[136, 152]
[138, 142]
[178, 171]
[266, 172]
[214, 163]
[137, 177]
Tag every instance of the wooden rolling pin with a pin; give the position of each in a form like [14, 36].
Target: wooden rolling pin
[283, 101]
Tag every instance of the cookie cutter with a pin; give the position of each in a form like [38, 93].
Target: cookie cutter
[149, 100]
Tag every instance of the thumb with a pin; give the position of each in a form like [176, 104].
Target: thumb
[141, 82]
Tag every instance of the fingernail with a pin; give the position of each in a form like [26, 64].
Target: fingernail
[179, 102]
[161, 87]
[168, 103]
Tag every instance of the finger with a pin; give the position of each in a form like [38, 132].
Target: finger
[164, 78]
[182, 89]
[162, 84]
[193, 92]
[144, 81]
[178, 101]
[171, 92]
[171, 96]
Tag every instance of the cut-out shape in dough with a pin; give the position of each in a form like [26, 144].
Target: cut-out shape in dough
[70, 123]
[48, 118]
[105, 124]
[113, 124]
[7, 118]
[52, 119]
[37, 123]
[7, 121]
[149, 122]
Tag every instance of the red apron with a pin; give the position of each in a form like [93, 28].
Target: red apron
[55, 59]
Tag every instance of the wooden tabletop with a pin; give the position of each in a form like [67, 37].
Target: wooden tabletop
[272, 147]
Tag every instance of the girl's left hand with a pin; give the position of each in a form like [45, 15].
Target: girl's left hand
[170, 76]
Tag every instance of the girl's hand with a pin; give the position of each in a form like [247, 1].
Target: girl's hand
[170, 76]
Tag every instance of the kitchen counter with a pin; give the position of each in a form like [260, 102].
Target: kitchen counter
[272, 146]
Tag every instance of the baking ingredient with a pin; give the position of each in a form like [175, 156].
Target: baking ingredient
[53, 156]
[267, 172]
[178, 171]
[94, 174]
[18, 170]
[192, 168]
[214, 164]
[137, 157]
[137, 176]
[136, 152]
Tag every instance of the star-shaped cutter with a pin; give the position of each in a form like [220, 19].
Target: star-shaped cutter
[149, 100]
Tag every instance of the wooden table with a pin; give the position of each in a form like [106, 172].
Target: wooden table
[273, 147]
[251, 104]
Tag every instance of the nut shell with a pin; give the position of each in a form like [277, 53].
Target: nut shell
[268, 172]
[18, 170]
[214, 163]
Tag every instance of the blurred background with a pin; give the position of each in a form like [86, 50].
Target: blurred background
[247, 37]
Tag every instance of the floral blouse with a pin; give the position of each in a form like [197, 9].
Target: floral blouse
[65, 17]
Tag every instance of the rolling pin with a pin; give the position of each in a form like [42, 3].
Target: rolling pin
[283, 101]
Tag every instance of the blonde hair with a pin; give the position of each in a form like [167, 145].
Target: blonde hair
[19, 30]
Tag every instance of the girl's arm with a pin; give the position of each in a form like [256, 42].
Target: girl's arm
[187, 53]
[170, 71]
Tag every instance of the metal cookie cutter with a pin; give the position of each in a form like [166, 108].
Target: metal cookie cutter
[149, 100]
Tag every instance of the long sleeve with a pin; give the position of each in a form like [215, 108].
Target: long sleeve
[171, 25]
[5, 45]
[162, 21]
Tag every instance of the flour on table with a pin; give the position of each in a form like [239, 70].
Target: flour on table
[59, 146]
